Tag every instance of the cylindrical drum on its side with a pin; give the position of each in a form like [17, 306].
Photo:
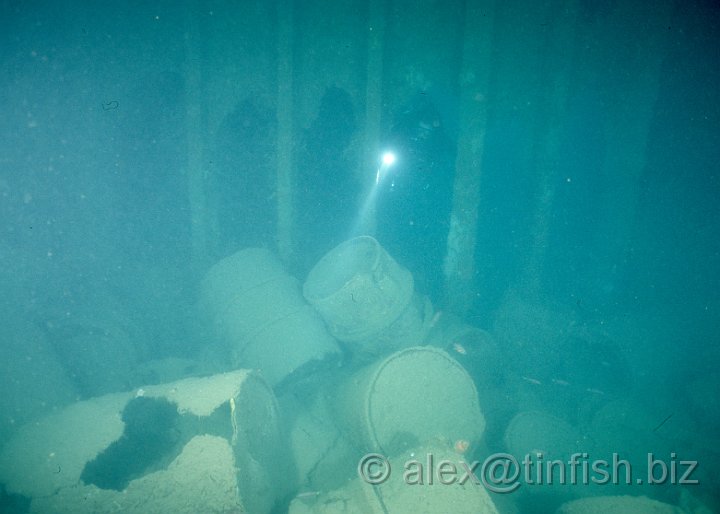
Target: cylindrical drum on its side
[548, 444]
[358, 289]
[256, 310]
[413, 397]
[239, 272]
[532, 432]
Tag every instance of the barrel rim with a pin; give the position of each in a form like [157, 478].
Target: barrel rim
[312, 292]
[371, 429]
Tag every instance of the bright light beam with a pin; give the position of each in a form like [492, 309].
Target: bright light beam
[366, 216]
[388, 159]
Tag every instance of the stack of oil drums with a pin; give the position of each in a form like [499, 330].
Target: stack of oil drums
[398, 396]
[313, 378]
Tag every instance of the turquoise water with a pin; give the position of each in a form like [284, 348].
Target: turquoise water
[556, 185]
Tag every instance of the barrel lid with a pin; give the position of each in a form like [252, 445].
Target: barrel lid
[422, 394]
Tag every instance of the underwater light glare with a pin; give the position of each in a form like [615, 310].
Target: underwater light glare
[365, 222]
[388, 159]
